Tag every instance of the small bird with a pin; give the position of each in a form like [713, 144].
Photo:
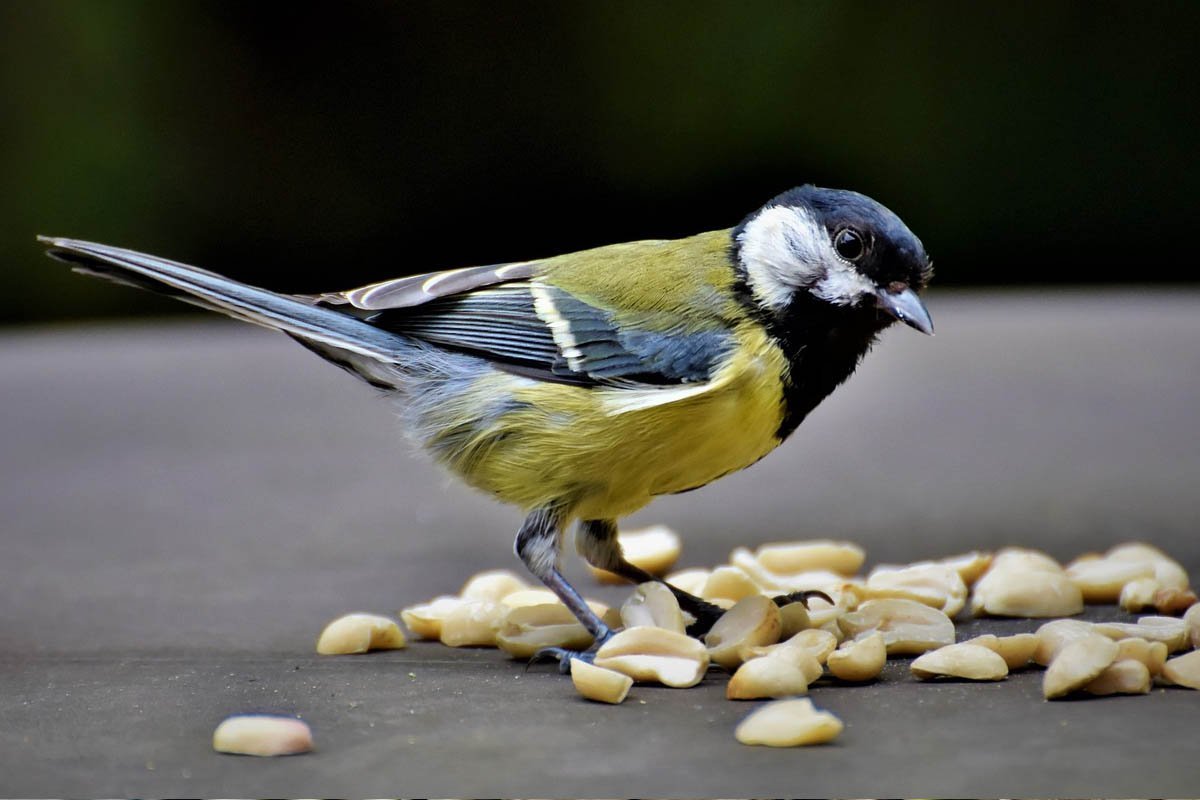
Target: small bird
[580, 387]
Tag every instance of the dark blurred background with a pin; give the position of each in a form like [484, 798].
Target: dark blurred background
[307, 148]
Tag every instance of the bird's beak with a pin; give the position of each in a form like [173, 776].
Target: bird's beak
[903, 304]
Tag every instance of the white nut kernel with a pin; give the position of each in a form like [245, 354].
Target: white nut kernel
[1101, 579]
[859, 660]
[689, 580]
[1191, 623]
[1138, 595]
[844, 558]
[652, 605]
[473, 623]
[654, 549]
[655, 655]
[1123, 676]
[1079, 663]
[530, 597]
[492, 584]
[753, 622]
[770, 676]
[1171, 631]
[599, 684]
[1184, 670]
[788, 723]
[969, 566]
[908, 627]
[262, 735]
[526, 629]
[1152, 654]
[1016, 650]
[1169, 600]
[793, 618]
[425, 619]
[1023, 559]
[1013, 592]
[936, 585]
[968, 661]
[358, 633]
[1167, 571]
[1057, 634]
[729, 583]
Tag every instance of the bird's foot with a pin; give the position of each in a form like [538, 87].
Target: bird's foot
[564, 657]
[802, 598]
[705, 613]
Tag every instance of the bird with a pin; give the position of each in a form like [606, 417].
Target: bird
[581, 386]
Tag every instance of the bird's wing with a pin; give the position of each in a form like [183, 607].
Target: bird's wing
[515, 316]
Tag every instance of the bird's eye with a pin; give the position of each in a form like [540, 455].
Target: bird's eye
[849, 244]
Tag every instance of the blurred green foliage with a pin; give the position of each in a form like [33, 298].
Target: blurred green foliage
[313, 147]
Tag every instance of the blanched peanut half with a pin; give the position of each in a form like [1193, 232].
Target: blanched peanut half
[1169, 600]
[1171, 631]
[844, 558]
[473, 623]
[753, 622]
[652, 605]
[729, 583]
[1138, 595]
[1079, 663]
[769, 676]
[859, 660]
[654, 549]
[1184, 670]
[1057, 634]
[782, 583]
[425, 619]
[530, 597]
[1191, 622]
[599, 684]
[1025, 592]
[793, 618]
[689, 580]
[492, 584]
[1123, 676]
[807, 650]
[969, 566]
[969, 661]
[1023, 559]
[262, 735]
[358, 633]
[655, 655]
[936, 585]
[1167, 571]
[1016, 650]
[1101, 579]
[1152, 654]
[526, 629]
[908, 627]
[788, 723]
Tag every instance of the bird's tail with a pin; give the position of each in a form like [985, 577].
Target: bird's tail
[324, 329]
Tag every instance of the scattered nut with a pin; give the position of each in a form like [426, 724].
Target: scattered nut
[656, 655]
[1054, 636]
[652, 605]
[526, 629]
[1123, 676]
[969, 566]
[473, 623]
[1023, 559]
[1171, 631]
[425, 619]
[262, 735]
[788, 723]
[729, 583]
[908, 627]
[1184, 670]
[844, 558]
[1138, 595]
[654, 549]
[689, 580]
[530, 597]
[859, 660]
[937, 585]
[1101, 579]
[1169, 600]
[793, 618]
[769, 676]
[753, 622]
[1152, 654]
[807, 650]
[969, 661]
[493, 584]
[599, 684]
[1191, 622]
[358, 633]
[1016, 650]
[1031, 593]
[1167, 571]
[1078, 663]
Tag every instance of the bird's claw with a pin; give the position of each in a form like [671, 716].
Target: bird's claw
[802, 597]
[564, 657]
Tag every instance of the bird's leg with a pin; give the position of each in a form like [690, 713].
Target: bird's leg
[596, 540]
[537, 546]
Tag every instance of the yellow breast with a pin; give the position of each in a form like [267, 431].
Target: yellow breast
[604, 453]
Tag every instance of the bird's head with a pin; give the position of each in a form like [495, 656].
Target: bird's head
[841, 248]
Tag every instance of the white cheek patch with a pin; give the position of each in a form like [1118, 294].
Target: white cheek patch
[784, 249]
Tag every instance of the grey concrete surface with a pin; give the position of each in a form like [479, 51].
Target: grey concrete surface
[183, 505]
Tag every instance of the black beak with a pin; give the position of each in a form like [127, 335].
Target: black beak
[905, 306]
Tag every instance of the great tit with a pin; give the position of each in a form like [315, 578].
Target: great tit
[581, 386]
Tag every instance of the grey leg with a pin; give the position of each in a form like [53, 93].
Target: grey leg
[597, 542]
[537, 547]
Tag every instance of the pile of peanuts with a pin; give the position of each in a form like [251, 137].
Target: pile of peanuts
[775, 653]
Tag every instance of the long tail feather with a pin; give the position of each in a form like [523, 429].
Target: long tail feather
[292, 315]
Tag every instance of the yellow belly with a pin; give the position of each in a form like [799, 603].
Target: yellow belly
[604, 453]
